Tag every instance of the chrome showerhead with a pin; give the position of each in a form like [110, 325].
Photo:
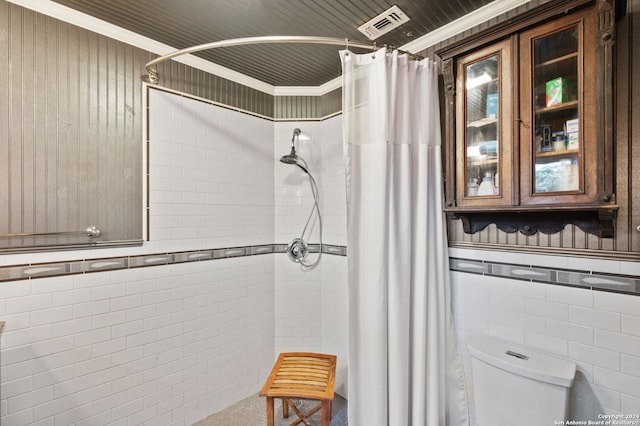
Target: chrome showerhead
[296, 161]
[292, 157]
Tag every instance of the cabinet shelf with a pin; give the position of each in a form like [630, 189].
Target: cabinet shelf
[482, 123]
[560, 153]
[482, 85]
[560, 107]
[593, 220]
[557, 60]
[482, 162]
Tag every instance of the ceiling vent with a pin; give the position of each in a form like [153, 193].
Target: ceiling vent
[383, 23]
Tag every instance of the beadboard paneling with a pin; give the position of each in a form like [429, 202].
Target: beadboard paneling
[308, 107]
[70, 116]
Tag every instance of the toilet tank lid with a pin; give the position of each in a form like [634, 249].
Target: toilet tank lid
[537, 365]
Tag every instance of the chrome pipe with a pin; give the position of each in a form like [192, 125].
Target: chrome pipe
[152, 72]
[91, 232]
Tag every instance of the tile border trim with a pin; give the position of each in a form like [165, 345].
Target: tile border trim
[85, 266]
[590, 280]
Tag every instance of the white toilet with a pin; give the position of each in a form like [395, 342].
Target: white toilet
[513, 385]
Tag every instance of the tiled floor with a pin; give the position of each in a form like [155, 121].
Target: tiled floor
[252, 412]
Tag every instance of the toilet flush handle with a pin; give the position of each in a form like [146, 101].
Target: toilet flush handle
[517, 355]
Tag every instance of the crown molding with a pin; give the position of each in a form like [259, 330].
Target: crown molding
[71, 16]
[470, 20]
[323, 89]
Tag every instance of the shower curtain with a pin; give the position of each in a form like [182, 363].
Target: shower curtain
[404, 368]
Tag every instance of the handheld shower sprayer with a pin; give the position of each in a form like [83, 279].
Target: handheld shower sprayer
[298, 249]
[292, 157]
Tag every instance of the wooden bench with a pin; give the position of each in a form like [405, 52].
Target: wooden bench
[301, 375]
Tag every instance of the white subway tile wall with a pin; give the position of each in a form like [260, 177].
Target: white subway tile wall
[298, 307]
[203, 336]
[166, 344]
[216, 175]
[172, 343]
[585, 326]
[311, 306]
[334, 194]
[335, 315]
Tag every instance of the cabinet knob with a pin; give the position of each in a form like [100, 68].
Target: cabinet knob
[638, 228]
[606, 197]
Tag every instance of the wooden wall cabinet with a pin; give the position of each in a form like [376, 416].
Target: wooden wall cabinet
[529, 122]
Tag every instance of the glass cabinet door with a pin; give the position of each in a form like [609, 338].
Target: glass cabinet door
[558, 125]
[529, 111]
[482, 137]
[483, 148]
[556, 145]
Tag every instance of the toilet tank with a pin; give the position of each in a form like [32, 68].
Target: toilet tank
[514, 385]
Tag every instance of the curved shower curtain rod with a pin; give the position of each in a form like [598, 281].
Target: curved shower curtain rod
[153, 73]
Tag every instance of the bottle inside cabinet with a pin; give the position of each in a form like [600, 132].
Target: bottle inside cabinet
[557, 156]
[482, 101]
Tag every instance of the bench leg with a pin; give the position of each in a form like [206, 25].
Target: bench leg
[326, 413]
[269, 411]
